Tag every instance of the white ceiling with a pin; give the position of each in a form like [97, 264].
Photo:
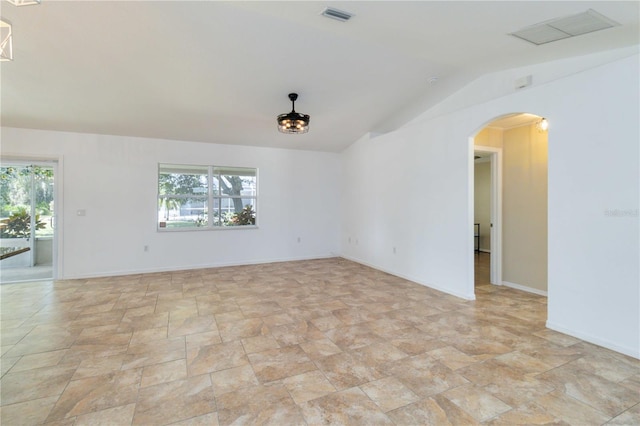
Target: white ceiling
[220, 72]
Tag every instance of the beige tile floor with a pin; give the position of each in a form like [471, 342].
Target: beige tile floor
[312, 342]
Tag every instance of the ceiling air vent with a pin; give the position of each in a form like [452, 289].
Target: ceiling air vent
[339, 15]
[561, 28]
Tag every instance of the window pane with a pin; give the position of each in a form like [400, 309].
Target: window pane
[218, 216]
[234, 181]
[43, 179]
[234, 171]
[235, 211]
[225, 214]
[186, 190]
[215, 185]
[182, 213]
[247, 217]
[182, 180]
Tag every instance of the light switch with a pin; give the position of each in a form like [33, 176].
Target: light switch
[81, 212]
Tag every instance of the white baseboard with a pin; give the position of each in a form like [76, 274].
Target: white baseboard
[524, 288]
[632, 352]
[471, 296]
[191, 267]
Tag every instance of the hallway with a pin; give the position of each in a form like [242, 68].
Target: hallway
[482, 271]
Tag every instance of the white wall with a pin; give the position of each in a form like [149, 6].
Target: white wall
[411, 189]
[114, 179]
[408, 190]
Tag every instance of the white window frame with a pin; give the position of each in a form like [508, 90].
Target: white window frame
[209, 199]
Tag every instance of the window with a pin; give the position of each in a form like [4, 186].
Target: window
[206, 197]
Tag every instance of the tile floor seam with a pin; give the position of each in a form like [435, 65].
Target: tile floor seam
[376, 306]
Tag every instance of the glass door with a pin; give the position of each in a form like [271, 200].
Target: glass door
[26, 221]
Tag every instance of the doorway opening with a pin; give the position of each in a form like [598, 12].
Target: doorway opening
[487, 215]
[510, 204]
[28, 238]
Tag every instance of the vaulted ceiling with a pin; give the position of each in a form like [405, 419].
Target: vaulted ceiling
[220, 72]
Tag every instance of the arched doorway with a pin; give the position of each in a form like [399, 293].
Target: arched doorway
[510, 154]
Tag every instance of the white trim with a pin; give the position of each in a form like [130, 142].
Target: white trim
[496, 214]
[58, 232]
[632, 352]
[206, 228]
[471, 232]
[208, 199]
[525, 288]
[470, 296]
[259, 262]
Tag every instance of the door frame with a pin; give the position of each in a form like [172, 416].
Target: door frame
[57, 164]
[495, 156]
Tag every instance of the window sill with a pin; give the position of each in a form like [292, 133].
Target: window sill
[207, 229]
